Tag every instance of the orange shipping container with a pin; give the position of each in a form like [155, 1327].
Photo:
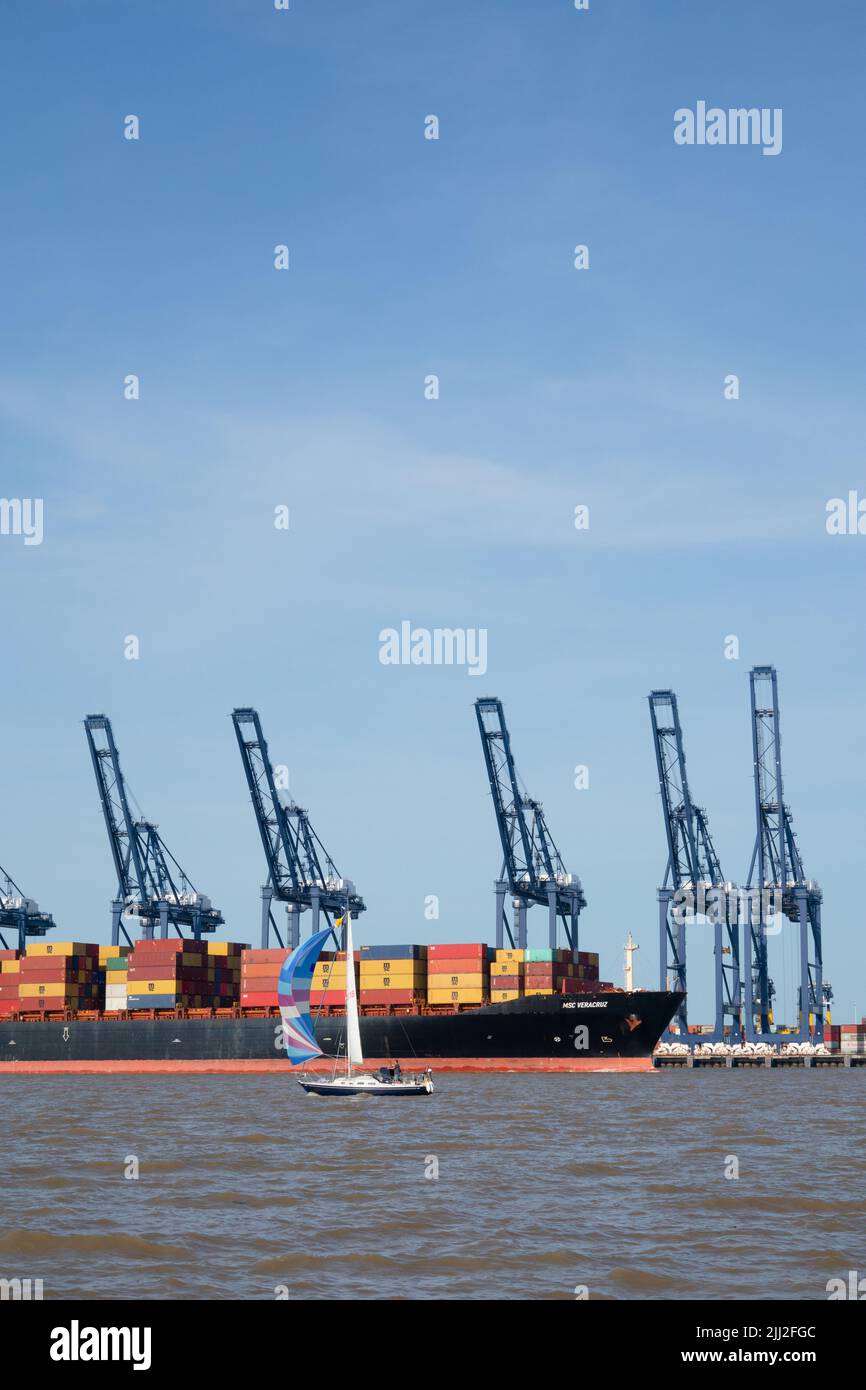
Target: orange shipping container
[456, 996]
[63, 948]
[460, 965]
[391, 996]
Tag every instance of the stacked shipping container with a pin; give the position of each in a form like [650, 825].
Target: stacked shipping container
[114, 960]
[392, 975]
[224, 971]
[852, 1038]
[507, 975]
[167, 974]
[60, 975]
[517, 973]
[329, 979]
[457, 973]
[260, 971]
[10, 967]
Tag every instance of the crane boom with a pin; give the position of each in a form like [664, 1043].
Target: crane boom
[301, 873]
[151, 885]
[777, 868]
[533, 870]
[692, 868]
[20, 914]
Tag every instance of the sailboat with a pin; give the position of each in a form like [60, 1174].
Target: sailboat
[293, 993]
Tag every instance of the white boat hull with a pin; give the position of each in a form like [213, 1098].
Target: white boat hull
[365, 1086]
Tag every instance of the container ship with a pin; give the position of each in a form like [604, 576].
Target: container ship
[186, 1003]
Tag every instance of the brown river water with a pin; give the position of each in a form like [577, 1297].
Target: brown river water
[249, 1189]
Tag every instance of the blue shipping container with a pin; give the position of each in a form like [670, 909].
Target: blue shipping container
[393, 952]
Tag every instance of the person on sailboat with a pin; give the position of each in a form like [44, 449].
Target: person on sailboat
[398, 1075]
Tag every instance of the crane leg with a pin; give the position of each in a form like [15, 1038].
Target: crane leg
[267, 894]
[499, 888]
[116, 909]
[293, 926]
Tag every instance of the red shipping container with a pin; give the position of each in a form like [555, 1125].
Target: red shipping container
[459, 965]
[47, 1001]
[37, 963]
[171, 944]
[390, 996]
[503, 981]
[254, 956]
[573, 986]
[260, 970]
[336, 997]
[8, 955]
[459, 951]
[52, 971]
[258, 998]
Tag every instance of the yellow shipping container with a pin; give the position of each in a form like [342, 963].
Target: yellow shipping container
[527, 992]
[502, 996]
[456, 996]
[58, 948]
[10, 967]
[53, 988]
[111, 952]
[513, 967]
[502, 954]
[436, 981]
[393, 967]
[382, 979]
[116, 977]
[154, 987]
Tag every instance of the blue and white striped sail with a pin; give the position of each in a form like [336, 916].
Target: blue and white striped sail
[293, 994]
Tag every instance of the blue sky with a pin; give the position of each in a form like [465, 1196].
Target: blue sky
[305, 387]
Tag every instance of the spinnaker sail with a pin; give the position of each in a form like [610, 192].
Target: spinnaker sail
[293, 994]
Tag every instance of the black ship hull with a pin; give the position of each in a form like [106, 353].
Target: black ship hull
[588, 1026]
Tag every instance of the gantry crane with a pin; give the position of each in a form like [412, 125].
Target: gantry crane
[776, 869]
[20, 914]
[532, 868]
[301, 873]
[151, 885]
[693, 883]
